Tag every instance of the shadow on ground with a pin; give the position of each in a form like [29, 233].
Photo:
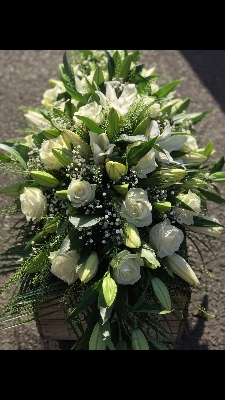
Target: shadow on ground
[209, 65]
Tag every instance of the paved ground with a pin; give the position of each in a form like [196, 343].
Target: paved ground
[24, 77]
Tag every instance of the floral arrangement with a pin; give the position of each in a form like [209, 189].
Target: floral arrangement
[112, 182]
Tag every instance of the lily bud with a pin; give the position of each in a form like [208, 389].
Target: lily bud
[179, 266]
[44, 179]
[74, 139]
[162, 206]
[192, 159]
[170, 175]
[89, 268]
[192, 183]
[131, 236]
[115, 170]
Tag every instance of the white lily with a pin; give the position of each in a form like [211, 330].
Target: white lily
[100, 146]
[179, 266]
[120, 104]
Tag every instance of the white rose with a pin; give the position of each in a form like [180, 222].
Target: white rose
[136, 208]
[166, 238]
[46, 155]
[33, 204]
[64, 266]
[80, 192]
[185, 216]
[126, 267]
[92, 110]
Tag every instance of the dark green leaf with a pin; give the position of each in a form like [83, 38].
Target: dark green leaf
[183, 106]
[111, 65]
[212, 196]
[86, 52]
[159, 345]
[71, 242]
[98, 77]
[136, 153]
[75, 95]
[198, 221]
[19, 151]
[125, 67]
[142, 127]
[89, 297]
[194, 117]
[91, 125]
[4, 158]
[113, 125]
[68, 69]
[62, 225]
[218, 166]
[166, 89]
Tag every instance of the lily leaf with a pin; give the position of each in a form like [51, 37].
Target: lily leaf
[19, 151]
[166, 89]
[91, 125]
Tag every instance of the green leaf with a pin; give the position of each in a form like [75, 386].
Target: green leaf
[91, 125]
[143, 294]
[183, 106]
[13, 190]
[166, 89]
[212, 196]
[149, 258]
[71, 242]
[111, 65]
[4, 158]
[136, 153]
[19, 151]
[62, 225]
[98, 77]
[89, 297]
[109, 288]
[159, 345]
[68, 69]
[208, 150]
[218, 166]
[50, 133]
[75, 95]
[92, 89]
[86, 52]
[121, 345]
[125, 67]
[217, 177]
[113, 124]
[150, 182]
[142, 127]
[84, 221]
[64, 156]
[106, 333]
[194, 117]
[199, 221]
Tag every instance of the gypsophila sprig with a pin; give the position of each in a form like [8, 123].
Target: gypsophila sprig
[112, 181]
